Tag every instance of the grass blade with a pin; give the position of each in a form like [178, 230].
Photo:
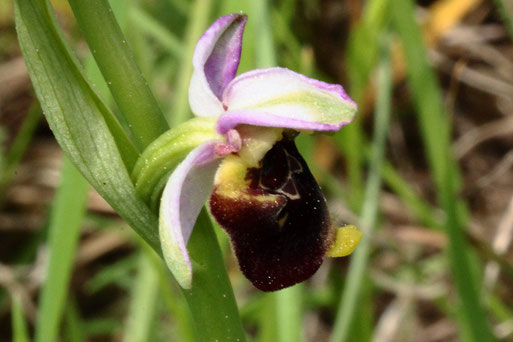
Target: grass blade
[143, 302]
[506, 10]
[362, 56]
[19, 324]
[19, 146]
[64, 232]
[149, 25]
[175, 303]
[347, 306]
[263, 38]
[198, 21]
[73, 326]
[436, 135]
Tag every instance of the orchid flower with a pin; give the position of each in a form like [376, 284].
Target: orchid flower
[261, 190]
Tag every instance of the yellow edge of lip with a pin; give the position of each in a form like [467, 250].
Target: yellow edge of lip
[346, 240]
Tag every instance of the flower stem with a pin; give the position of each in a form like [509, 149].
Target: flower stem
[211, 298]
[117, 64]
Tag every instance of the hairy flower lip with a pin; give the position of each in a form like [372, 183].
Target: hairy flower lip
[282, 239]
[272, 97]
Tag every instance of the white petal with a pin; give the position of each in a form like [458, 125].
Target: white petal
[185, 194]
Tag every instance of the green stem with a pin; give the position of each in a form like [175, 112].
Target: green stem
[211, 298]
[64, 232]
[117, 64]
[289, 314]
[267, 319]
[349, 300]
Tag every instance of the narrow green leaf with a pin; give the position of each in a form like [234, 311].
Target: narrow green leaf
[423, 211]
[19, 146]
[211, 298]
[198, 22]
[85, 129]
[263, 39]
[351, 139]
[362, 57]
[19, 323]
[64, 232]
[506, 10]
[175, 303]
[73, 326]
[154, 29]
[117, 64]
[181, 6]
[435, 130]
[143, 302]
[357, 268]
[363, 45]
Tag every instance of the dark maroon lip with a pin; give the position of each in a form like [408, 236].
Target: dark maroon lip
[281, 241]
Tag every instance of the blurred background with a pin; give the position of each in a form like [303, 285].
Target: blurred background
[433, 80]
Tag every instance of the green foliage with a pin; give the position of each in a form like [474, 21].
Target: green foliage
[435, 128]
[64, 233]
[9, 161]
[86, 130]
[138, 325]
[351, 294]
[110, 147]
[506, 9]
[19, 323]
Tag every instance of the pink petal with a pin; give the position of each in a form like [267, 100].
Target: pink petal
[185, 193]
[215, 62]
[232, 119]
[284, 98]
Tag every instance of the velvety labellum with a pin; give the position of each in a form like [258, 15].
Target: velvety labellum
[279, 223]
